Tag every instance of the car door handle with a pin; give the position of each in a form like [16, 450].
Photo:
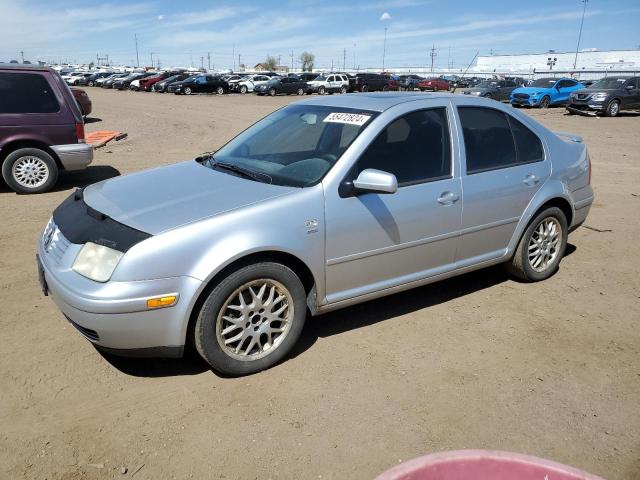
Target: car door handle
[448, 198]
[531, 180]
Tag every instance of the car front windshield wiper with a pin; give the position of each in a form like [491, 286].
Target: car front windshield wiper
[257, 176]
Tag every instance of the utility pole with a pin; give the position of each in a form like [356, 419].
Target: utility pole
[151, 59]
[384, 47]
[433, 55]
[209, 60]
[354, 56]
[344, 59]
[292, 61]
[279, 57]
[239, 63]
[233, 55]
[584, 8]
[202, 62]
[135, 35]
[22, 55]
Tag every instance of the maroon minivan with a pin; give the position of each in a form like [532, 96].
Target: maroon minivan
[41, 128]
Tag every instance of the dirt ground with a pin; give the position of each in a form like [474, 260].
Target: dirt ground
[550, 369]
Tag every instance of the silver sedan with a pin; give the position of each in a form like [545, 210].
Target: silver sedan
[328, 202]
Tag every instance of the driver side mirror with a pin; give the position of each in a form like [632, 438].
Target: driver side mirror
[375, 181]
[629, 87]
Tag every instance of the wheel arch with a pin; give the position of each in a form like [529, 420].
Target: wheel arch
[16, 144]
[544, 199]
[289, 260]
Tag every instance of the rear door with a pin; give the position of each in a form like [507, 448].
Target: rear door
[633, 94]
[505, 165]
[506, 87]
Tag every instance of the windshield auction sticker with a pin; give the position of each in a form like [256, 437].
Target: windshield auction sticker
[348, 118]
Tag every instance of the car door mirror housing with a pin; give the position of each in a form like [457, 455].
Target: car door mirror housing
[629, 87]
[375, 181]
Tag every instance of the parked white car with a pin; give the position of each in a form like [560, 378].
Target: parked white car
[249, 83]
[329, 83]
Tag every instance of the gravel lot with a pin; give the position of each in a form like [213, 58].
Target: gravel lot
[549, 369]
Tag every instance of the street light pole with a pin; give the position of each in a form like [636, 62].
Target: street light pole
[384, 47]
[584, 8]
[135, 35]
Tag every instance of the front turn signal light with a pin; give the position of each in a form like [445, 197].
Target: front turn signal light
[160, 302]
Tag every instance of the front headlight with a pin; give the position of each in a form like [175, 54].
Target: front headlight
[599, 97]
[96, 262]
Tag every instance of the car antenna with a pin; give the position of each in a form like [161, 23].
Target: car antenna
[468, 67]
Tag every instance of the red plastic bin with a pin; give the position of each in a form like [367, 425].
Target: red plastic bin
[483, 465]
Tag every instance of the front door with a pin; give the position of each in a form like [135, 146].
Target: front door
[375, 241]
[504, 167]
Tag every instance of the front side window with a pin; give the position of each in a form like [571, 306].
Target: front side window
[496, 140]
[296, 145]
[416, 148]
[26, 93]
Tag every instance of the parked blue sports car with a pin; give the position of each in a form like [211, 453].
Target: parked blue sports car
[545, 92]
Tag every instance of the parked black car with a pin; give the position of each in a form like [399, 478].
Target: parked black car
[162, 85]
[91, 81]
[607, 96]
[370, 82]
[286, 85]
[108, 83]
[307, 76]
[202, 83]
[123, 83]
[495, 89]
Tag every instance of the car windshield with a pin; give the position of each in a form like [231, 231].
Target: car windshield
[487, 84]
[321, 78]
[294, 146]
[544, 83]
[609, 83]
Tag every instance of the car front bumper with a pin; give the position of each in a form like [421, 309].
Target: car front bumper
[113, 315]
[75, 156]
[526, 102]
[588, 107]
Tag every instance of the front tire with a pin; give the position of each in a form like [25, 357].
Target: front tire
[29, 170]
[300, 91]
[243, 89]
[321, 91]
[220, 90]
[613, 109]
[541, 247]
[272, 92]
[545, 102]
[187, 91]
[251, 319]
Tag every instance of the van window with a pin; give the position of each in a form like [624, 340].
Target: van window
[26, 93]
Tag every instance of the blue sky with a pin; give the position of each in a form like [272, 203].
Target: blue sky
[179, 33]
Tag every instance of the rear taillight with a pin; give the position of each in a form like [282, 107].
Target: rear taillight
[80, 132]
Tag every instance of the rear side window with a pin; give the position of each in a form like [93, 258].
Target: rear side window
[416, 148]
[496, 140]
[26, 93]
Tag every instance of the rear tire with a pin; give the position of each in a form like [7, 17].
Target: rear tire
[364, 88]
[272, 92]
[243, 89]
[187, 91]
[29, 170]
[272, 316]
[300, 91]
[541, 247]
[343, 90]
[321, 91]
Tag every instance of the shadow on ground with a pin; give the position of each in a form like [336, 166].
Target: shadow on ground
[335, 323]
[79, 179]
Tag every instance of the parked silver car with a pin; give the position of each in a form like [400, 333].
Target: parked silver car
[322, 204]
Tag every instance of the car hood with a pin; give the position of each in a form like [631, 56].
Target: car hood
[531, 90]
[163, 198]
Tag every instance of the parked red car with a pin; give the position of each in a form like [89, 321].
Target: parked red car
[434, 84]
[84, 102]
[148, 82]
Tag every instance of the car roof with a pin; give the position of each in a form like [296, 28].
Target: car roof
[378, 102]
[25, 66]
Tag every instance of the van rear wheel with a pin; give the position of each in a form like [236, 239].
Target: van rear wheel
[251, 319]
[29, 170]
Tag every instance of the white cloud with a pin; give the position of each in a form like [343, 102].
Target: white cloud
[385, 16]
[160, 17]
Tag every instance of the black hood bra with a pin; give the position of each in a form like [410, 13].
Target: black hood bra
[80, 224]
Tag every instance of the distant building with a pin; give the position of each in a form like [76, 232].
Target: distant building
[539, 62]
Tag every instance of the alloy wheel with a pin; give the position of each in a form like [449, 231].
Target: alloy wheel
[255, 319]
[544, 244]
[30, 172]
